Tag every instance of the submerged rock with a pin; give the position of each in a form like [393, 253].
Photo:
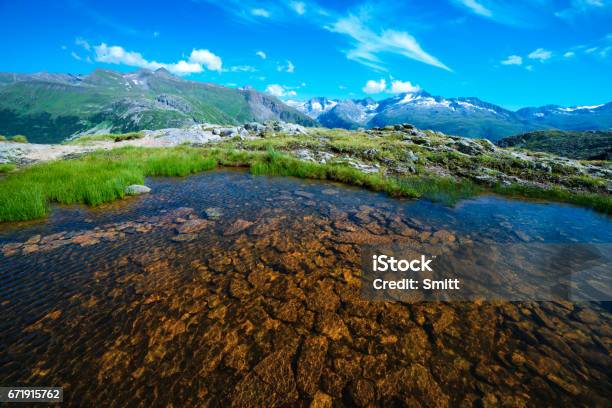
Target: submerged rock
[213, 213]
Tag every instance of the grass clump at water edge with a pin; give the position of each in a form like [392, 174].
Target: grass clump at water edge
[6, 167]
[92, 179]
[102, 176]
[19, 139]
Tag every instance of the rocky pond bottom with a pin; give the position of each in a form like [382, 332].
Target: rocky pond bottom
[225, 289]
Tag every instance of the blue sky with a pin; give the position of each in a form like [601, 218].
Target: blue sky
[511, 53]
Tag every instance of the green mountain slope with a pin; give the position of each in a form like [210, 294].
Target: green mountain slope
[589, 145]
[50, 107]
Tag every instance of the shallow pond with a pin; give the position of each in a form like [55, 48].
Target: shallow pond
[227, 289]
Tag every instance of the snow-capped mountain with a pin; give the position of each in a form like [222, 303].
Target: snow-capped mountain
[464, 116]
[313, 107]
[592, 117]
[350, 114]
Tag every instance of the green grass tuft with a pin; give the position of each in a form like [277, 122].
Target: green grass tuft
[601, 203]
[115, 137]
[7, 167]
[92, 179]
[19, 139]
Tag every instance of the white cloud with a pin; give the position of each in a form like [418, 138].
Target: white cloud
[398, 86]
[279, 90]
[476, 7]
[206, 58]
[299, 7]
[513, 60]
[260, 12]
[83, 43]
[289, 67]
[261, 54]
[118, 55]
[591, 50]
[368, 44]
[75, 56]
[540, 54]
[155, 34]
[569, 54]
[183, 67]
[197, 60]
[374, 87]
[529, 67]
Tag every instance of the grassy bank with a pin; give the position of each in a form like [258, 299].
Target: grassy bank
[91, 179]
[102, 176]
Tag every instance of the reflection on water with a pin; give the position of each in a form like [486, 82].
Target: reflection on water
[226, 289]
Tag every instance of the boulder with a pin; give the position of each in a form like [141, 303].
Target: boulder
[137, 189]
[468, 147]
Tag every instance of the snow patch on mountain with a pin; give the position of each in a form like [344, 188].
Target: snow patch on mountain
[575, 108]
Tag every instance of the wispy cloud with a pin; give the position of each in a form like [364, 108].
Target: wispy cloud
[75, 56]
[261, 54]
[579, 8]
[476, 7]
[288, 67]
[88, 9]
[540, 54]
[242, 68]
[528, 13]
[513, 60]
[569, 54]
[367, 44]
[299, 7]
[82, 43]
[198, 60]
[260, 12]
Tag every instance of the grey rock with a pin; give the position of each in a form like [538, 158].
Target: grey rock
[244, 134]
[137, 189]
[255, 127]
[410, 155]
[213, 213]
[469, 147]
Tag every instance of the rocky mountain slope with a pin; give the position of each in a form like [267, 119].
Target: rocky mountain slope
[589, 145]
[470, 117]
[50, 107]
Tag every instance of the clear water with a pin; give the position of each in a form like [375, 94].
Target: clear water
[144, 319]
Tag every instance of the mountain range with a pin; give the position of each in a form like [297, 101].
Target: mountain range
[463, 116]
[48, 108]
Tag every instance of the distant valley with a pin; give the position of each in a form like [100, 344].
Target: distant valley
[463, 116]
